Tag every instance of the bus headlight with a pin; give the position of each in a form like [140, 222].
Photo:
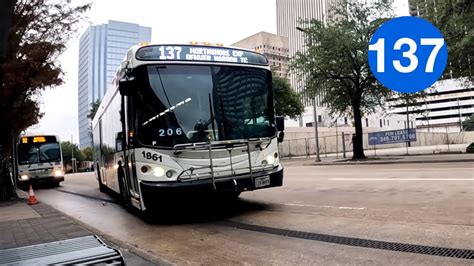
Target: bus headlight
[58, 173]
[158, 171]
[24, 177]
[270, 159]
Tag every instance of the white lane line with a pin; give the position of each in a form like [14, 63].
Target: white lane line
[324, 206]
[430, 169]
[401, 179]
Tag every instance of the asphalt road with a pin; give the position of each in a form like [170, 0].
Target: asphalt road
[324, 207]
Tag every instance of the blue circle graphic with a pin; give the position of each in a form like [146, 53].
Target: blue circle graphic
[407, 54]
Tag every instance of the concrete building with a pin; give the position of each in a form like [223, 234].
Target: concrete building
[444, 109]
[274, 47]
[289, 12]
[380, 120]
[101, 50]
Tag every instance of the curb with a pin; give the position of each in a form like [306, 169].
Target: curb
[117, 242]
[389, 162]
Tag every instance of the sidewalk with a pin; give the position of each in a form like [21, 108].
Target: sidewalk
[467, 158]
[23, 225]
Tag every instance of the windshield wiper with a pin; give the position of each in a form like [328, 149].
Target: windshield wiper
[211, 110]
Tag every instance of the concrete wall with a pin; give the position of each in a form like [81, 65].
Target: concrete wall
[301, 142]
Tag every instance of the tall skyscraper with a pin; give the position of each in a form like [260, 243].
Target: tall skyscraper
[101, 50]
[289, 13]
[274, 47]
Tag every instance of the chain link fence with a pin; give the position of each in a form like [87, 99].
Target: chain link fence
[340, 143]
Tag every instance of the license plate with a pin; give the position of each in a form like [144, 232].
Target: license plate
[262, 181]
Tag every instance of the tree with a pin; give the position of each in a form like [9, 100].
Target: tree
[335, 65]
[468, 124]
[454, 19]
[38, 34]
[287, 101]
[94, 107]
[88, 153]
[68, 148]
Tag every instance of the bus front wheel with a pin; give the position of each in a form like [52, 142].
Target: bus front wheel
[102, 187]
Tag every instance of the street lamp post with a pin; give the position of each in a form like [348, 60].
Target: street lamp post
[315, 117]
[73, 160]
[315, 114]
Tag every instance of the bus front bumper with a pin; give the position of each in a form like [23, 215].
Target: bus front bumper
[35, 177]
[222, 184]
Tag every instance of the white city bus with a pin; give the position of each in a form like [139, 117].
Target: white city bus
[186, 118]
[39, 158]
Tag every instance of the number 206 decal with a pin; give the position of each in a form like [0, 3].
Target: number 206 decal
[170, 132]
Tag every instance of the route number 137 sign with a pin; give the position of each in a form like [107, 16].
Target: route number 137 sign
[407, 54]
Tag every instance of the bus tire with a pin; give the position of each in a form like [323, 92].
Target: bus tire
[229, 195]
[102, 187]
[233, 195]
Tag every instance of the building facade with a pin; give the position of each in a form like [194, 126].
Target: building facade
[274, 47]
[101, 50]
[289, 14]
[444, 109]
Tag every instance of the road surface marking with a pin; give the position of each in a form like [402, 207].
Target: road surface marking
[401, 179]
[324, 206]
[430, 169]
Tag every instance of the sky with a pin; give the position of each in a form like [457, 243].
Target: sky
[172, 21]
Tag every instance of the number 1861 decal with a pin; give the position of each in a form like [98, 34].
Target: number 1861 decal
[152, 156]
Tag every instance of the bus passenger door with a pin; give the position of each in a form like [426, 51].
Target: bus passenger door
[101, 157]
[130, 169]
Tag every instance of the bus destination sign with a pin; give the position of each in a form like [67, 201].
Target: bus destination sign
[200, 53]
[38, 139]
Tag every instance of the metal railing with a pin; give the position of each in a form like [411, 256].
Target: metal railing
[225, 172]
[341, 143]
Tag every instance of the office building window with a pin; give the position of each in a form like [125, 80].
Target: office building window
[380, 122]
[366, 122]
[320, 119]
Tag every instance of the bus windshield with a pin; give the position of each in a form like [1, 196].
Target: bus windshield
[38, 153]
[177, 104]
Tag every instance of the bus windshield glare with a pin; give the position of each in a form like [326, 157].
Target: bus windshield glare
[177, 104]
[38, 153]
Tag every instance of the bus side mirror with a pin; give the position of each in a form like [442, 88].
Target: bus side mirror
[280, 126]
[280, 123]
[281, 136]
[127, 86]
